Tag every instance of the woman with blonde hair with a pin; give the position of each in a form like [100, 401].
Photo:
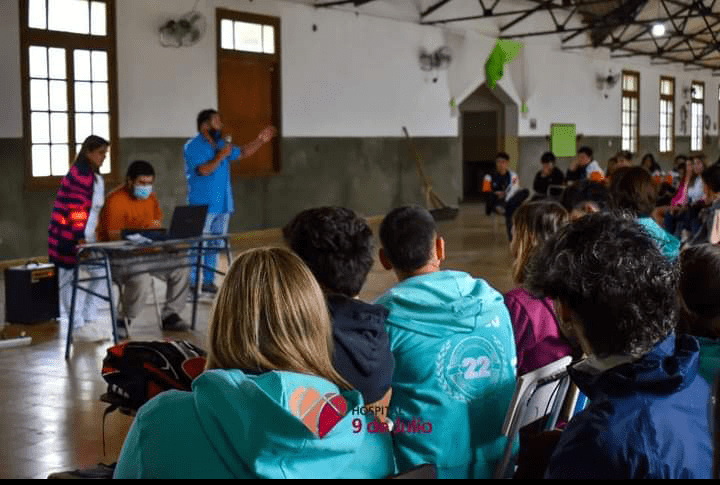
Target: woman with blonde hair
[269, 404]
[538, 338]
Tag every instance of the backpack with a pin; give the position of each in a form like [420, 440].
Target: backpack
[138, 371]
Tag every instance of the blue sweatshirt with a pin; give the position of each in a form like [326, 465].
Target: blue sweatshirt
[454, 372]
[234, 425]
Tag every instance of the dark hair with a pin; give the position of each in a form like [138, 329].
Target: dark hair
[336, 244]
[680, 157]
[407, 235]
[610, 273]
[91, 143]
[633, 190]
[700, 288]
[654, 166]
[503, 155]
[139, 168]
[586, 191]
[533, 224]
[586, 150]
[703, 160]
[711, 177]
[204, 116]
[627, 155]
[548, 157]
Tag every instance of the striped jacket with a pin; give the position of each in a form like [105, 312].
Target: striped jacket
[70, 214]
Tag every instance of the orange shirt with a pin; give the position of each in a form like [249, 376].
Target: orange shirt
[123, 211]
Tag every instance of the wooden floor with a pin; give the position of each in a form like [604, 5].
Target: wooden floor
[50, 416]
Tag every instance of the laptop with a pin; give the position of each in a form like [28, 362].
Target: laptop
[187, 221]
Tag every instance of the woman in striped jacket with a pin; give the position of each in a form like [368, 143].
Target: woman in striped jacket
[74, 219]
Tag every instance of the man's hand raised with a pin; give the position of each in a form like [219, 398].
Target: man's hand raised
[267, 134]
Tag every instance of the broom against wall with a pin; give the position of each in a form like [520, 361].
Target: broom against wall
[439, 209]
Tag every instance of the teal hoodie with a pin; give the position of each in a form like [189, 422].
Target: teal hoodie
[234, 425]
[668, 244]
[454, 370]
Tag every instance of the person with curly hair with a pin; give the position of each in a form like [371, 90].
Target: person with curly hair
[538, 338]
[635, 192]
[454, 353]
[647, 416]
[337, 246]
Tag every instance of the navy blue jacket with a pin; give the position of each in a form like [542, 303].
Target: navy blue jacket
[647, 419]
[362, 349]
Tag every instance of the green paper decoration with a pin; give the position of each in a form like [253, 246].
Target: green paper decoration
[504, 52]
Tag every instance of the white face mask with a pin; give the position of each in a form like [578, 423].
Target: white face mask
[142, 191]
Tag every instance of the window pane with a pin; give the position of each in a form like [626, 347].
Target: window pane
[41, 160]
[226, 34]
[40, 127]
[268, 39]
[83, 127]
[37, 15]
[56, 59]
[58, 96]
[105, 167]
[98, 23]
[629, 82]
[101, 125]
[698, 91]
[100, 97]
[58, 127]
[60, 159]
[248, 37]
[82, 65]
[38, 95]
[99, 66]
[83, 97]
[69, 16]
[38, 61]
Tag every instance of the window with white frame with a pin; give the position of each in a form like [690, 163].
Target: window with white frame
[68, 58]
[630, 110]
[697, 115]
[667, 114]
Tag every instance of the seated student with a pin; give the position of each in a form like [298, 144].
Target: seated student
[135, 206]
[635, 192]
[708, 224]
[584, 167]
[547, 176]
[699, 290]
[337, 246]
[648, 413]
[682, 217]
[586, 197]
[648, 163]
[454, 354]
[269, 404]
[503, 188]
[624, 158]
[537, 336]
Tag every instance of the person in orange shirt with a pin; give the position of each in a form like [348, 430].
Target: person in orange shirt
[135, 206]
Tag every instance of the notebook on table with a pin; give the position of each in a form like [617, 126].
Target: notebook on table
[188, 221]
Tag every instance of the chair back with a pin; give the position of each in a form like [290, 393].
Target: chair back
[538, 394]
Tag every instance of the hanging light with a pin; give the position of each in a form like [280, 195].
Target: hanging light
[658, 30]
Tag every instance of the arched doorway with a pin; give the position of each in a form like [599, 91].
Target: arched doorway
[488, 124]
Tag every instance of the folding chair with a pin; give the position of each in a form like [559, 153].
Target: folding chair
[537, 394]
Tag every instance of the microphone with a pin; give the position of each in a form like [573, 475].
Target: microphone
[228, 139]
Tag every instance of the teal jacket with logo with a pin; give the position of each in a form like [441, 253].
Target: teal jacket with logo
[454, 370]
[235, 425]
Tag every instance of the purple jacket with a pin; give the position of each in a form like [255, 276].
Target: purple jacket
[537, 336]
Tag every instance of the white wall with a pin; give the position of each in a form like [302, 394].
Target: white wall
[354, 76]
[10, 99]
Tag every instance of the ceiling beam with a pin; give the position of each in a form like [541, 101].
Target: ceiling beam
[489, 13]
[434, 7]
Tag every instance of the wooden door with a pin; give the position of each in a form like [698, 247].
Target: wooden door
[248, 98]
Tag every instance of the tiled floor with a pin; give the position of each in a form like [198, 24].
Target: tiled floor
[50, 416]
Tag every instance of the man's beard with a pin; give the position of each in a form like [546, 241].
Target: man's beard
[215, 134]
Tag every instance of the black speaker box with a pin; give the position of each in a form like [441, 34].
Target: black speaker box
[31, 293]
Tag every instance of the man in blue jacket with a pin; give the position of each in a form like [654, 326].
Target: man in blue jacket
[207, 169]
[454, 354]
[648, 415]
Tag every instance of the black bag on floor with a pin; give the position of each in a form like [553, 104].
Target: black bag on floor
[138, 371]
